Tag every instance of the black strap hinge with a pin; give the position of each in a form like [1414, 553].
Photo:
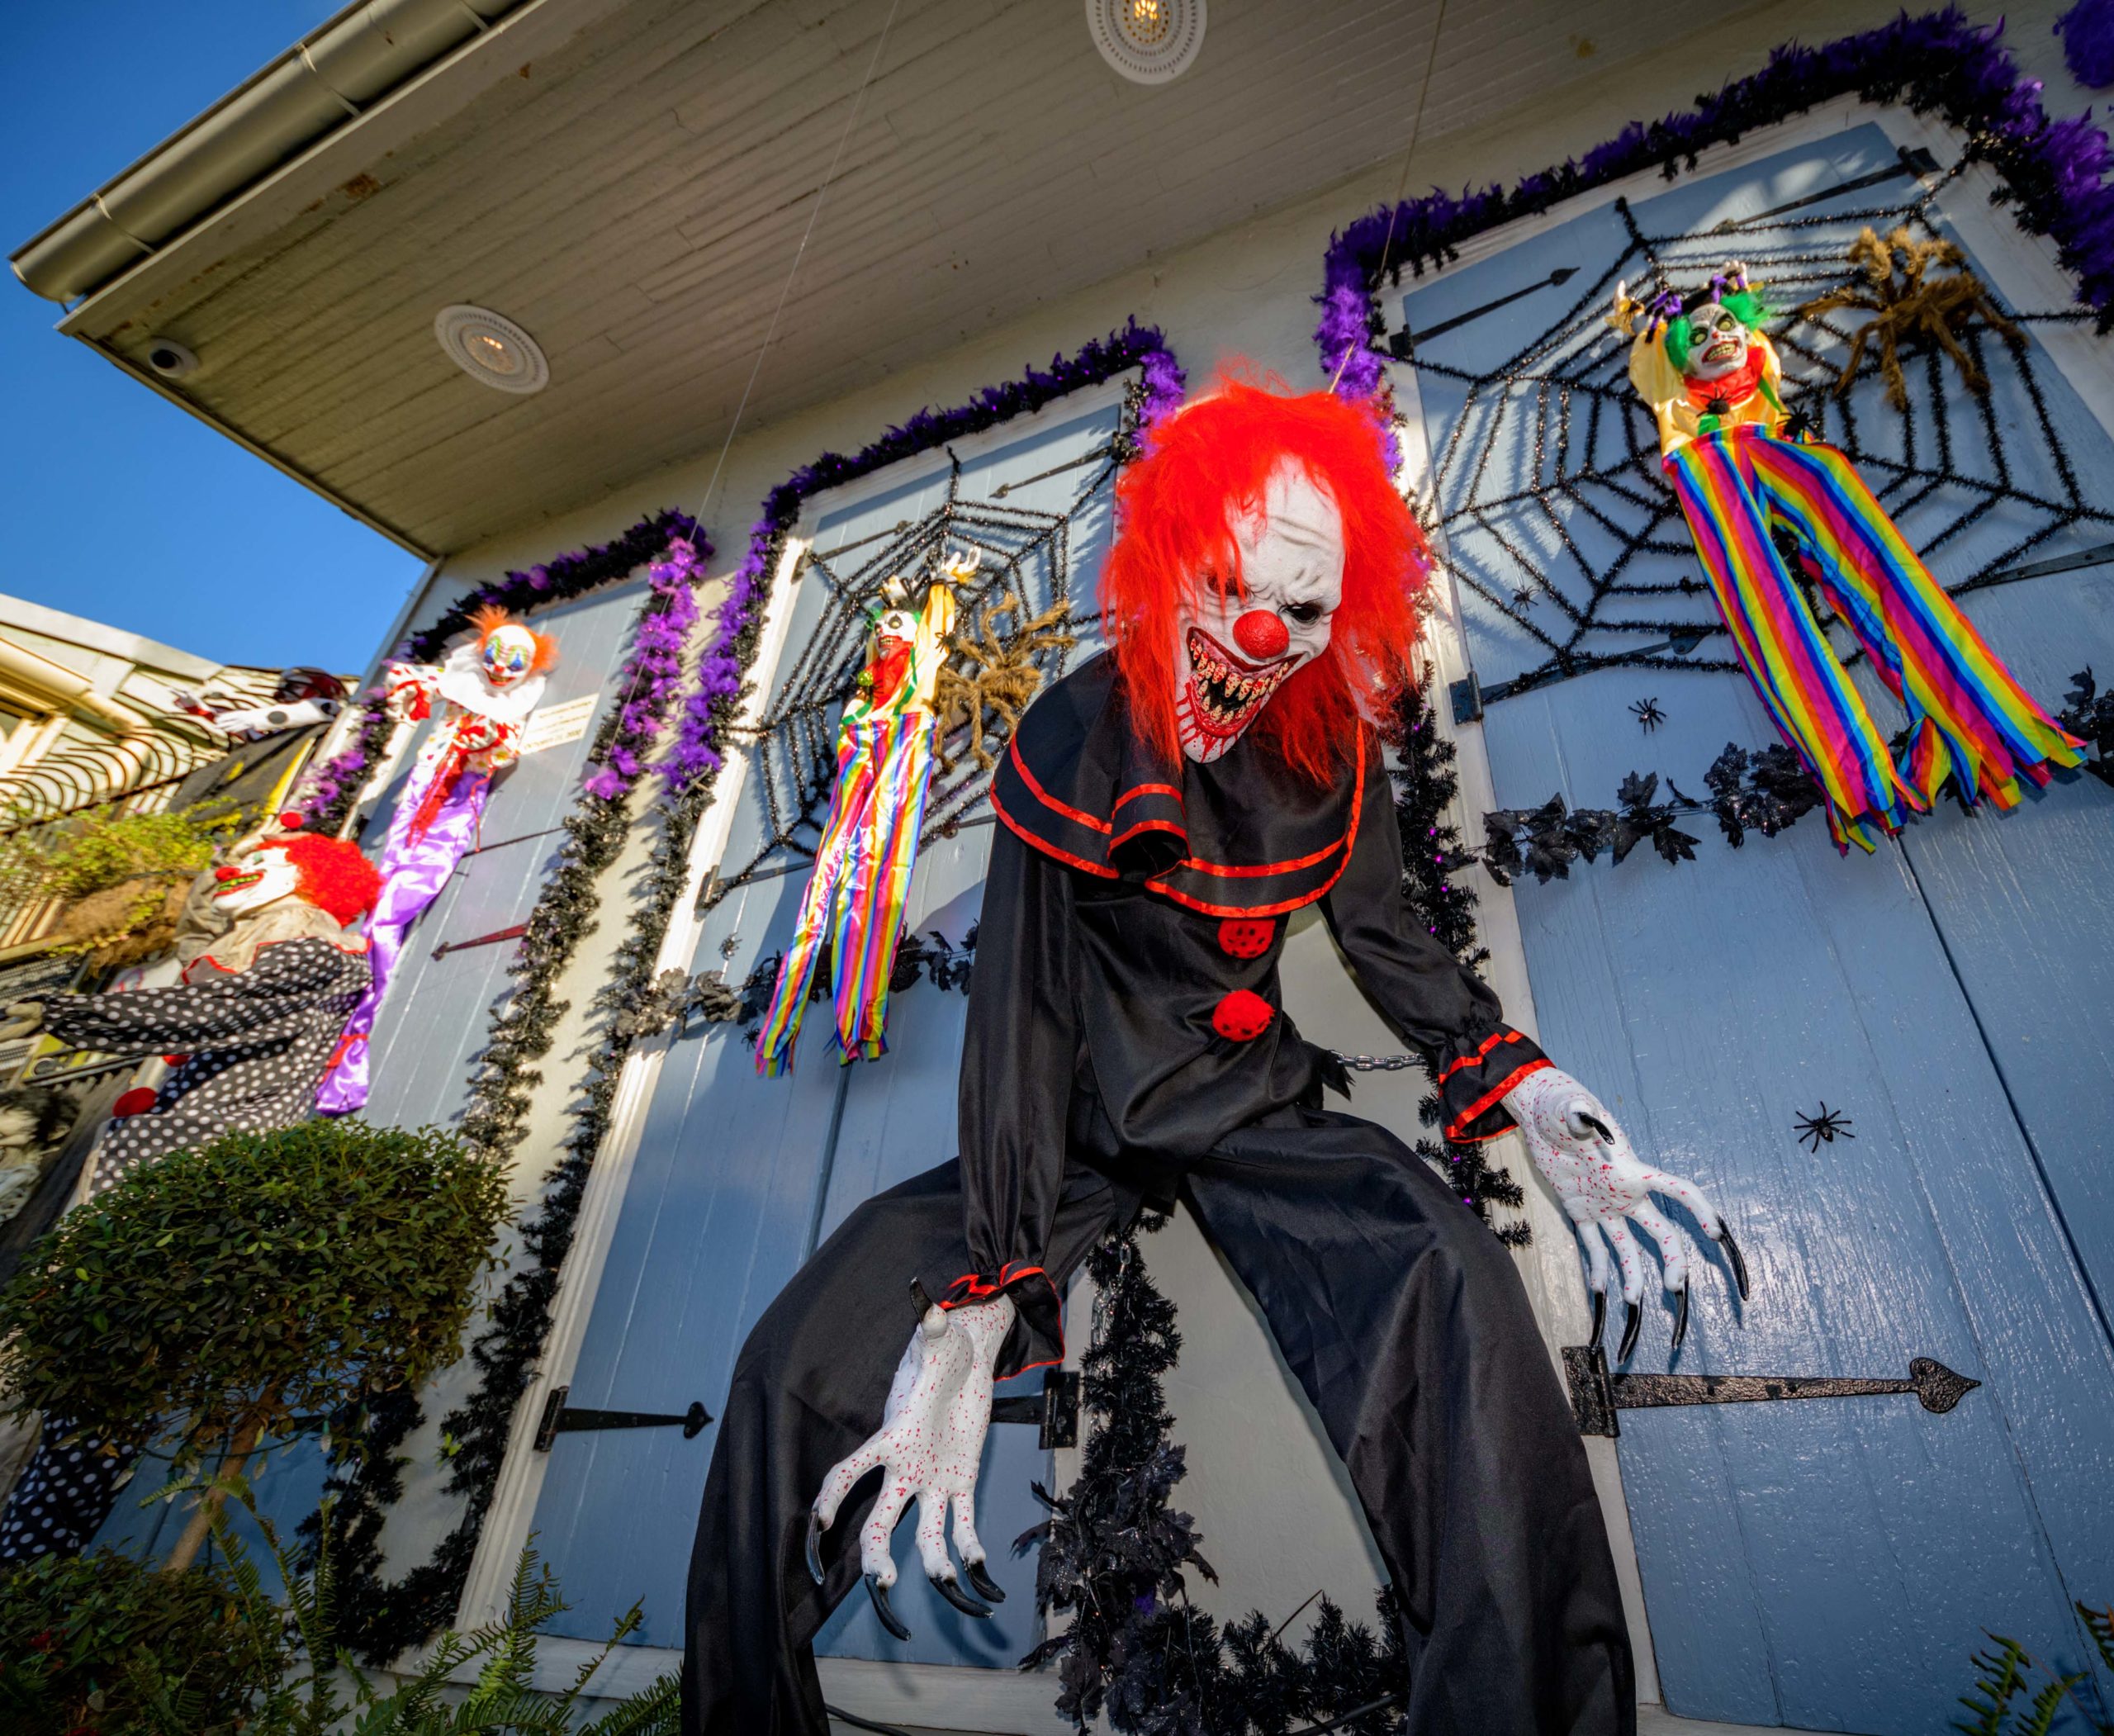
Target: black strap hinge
[561, 1418]
[1467, 696]
[1055, 1410]
[1597, 1395]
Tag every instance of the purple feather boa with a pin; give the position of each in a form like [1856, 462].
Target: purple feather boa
[720, 671]
[2088, 32]
[2054, 173]
[677, 549]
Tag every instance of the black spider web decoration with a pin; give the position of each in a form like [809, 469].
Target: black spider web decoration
[1546, 499]
[1026, 562]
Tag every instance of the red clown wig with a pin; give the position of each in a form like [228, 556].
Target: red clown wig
[331, 875]
[1209, 467]
[486, 619]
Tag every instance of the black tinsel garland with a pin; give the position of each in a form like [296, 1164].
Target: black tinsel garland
[379, 1618]
[1114, 1555]
[1432, 854]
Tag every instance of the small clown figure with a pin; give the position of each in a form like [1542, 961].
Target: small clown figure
[257, 1018]
[484, 693]
[869, 847]
[1746, 479]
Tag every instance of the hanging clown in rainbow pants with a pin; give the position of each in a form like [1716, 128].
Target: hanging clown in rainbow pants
[855, 896]
[1714, 382]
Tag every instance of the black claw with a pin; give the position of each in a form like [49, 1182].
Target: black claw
[815, 1528]
[1733, 1254]
[919, 1299]
[1599, 1318]
[984, 1586]
[1597, 1126]
[880, 1593]
[954, 1594]
[1631, 1328]
[1680, 1318]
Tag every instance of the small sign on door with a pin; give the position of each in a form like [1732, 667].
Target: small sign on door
[552, 725]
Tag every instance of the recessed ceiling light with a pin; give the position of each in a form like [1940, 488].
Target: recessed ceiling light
[491, 348]
[1149, 41]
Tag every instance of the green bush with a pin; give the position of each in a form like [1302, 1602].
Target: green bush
[100, 1645]
[92, 852]
[267, 1277]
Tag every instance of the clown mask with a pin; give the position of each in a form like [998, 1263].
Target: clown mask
[258, 877]
[508, 654]
[1717, 343]
[1240, 642]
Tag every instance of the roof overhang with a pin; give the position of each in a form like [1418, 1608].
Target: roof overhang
[631, 179]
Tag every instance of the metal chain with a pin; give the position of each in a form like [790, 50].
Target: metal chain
[1378, 1062]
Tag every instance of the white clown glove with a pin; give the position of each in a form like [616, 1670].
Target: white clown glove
[1601, 1181]
[929, 1444]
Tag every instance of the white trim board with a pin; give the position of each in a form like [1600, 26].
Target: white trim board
[520, 1484]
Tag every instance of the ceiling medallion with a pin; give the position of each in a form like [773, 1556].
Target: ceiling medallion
[1149, 41]
[491, 348]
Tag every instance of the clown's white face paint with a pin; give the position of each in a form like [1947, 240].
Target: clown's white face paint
[508, 655]
[1238, 646]
[253, 879]
[1718, 344]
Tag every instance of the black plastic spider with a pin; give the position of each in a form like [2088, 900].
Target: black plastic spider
[1647, 713]
[1823, 1128]
[1523, 596]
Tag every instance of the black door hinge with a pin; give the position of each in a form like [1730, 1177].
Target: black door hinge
[1055, 1409]
[1596, 1395]
[1467, 696]
[561, 1418]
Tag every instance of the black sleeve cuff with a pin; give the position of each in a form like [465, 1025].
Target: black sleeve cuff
[1037, 1338]
[1473, 1078]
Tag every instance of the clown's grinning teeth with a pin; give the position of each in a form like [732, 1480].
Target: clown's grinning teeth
[1224, 692]
[241, 882]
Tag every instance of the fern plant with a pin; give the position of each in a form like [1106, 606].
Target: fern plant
[2007, 1700]
[480, 1683]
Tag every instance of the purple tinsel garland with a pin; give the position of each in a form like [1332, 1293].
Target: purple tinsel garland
[677, 548]
[719, 673]
[1937, 62]
[2088, 32]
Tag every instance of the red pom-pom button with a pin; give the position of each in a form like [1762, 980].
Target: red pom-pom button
[1261, 635]
[292, 820]
[1242, 1016]
[138, 1101]
[1246, 936]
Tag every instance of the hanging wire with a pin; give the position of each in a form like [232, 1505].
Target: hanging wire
[800, 253]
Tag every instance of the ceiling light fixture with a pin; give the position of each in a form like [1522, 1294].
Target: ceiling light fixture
[1149, 41]
[491, 348]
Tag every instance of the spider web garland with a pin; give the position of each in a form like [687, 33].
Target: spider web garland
[1020, 603]
[1546, 499]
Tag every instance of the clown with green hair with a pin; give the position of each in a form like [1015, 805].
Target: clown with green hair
[1751, 484]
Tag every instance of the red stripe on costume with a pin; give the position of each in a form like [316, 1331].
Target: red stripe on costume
[1125, 837]
[1048, 801]
[1469, 1061]
[1036, 842]
[1132, 794]
[1456, 1129]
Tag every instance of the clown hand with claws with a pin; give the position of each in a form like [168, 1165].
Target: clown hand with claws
[1165, 807]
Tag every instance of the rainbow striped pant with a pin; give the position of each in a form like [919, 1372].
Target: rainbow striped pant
[856, 894]
[1968, 718]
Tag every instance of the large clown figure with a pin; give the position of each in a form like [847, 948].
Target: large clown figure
[482, 696]
[255, 1021]
[1166, 808]
[1753, 487]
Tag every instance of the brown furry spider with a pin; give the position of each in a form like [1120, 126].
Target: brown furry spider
[1939, 308]
[1002, 678]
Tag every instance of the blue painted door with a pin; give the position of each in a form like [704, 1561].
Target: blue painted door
[1828, 1565]
[737, 1179]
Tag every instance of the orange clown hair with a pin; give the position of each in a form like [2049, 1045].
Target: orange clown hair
[488, 618]
[330, 874]
[1208, 466]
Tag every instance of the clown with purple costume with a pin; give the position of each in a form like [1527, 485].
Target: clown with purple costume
[484, 692]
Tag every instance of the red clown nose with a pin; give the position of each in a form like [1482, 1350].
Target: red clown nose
[1261, 635]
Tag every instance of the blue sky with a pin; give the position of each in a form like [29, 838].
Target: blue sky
[115, 503]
